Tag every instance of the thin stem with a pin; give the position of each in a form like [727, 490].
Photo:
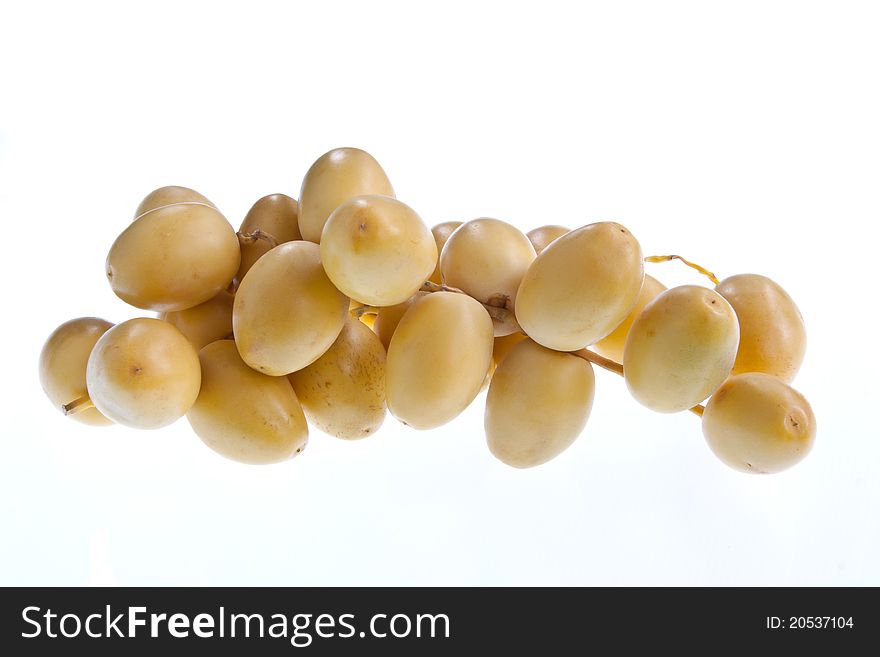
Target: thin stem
[78, 405]
[430, 286]
[666, 258]
[360, 311]
[498, 307]
[601, 361]
[617, 368]
[258, 234]
[504, 320]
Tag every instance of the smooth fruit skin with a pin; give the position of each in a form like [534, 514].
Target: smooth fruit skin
[377, 250]
[486, 258]
[343, 392]
[612, 345]
[581, 287]
[542, 236]
[389, 317]
[504, 344]
[441, 233]
[244, 415]
[63, 362]
[173, 258]
[438, 359]
[169, 196]
[286, 312]
[772, 335]
[334, 178]
[680, 348]
[205, 323]
[759, 424]
[276, 214]
[143, 373]
[538, 404]
[272, 220]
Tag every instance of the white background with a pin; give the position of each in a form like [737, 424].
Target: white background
[743, 135]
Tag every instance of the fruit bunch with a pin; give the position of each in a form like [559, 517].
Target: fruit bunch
[344, 305]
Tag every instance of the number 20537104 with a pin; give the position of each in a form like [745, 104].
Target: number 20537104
[809, 622]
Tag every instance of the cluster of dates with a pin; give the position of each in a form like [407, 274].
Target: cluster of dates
[340, 307]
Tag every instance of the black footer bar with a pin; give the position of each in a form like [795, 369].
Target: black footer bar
[429, 621]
